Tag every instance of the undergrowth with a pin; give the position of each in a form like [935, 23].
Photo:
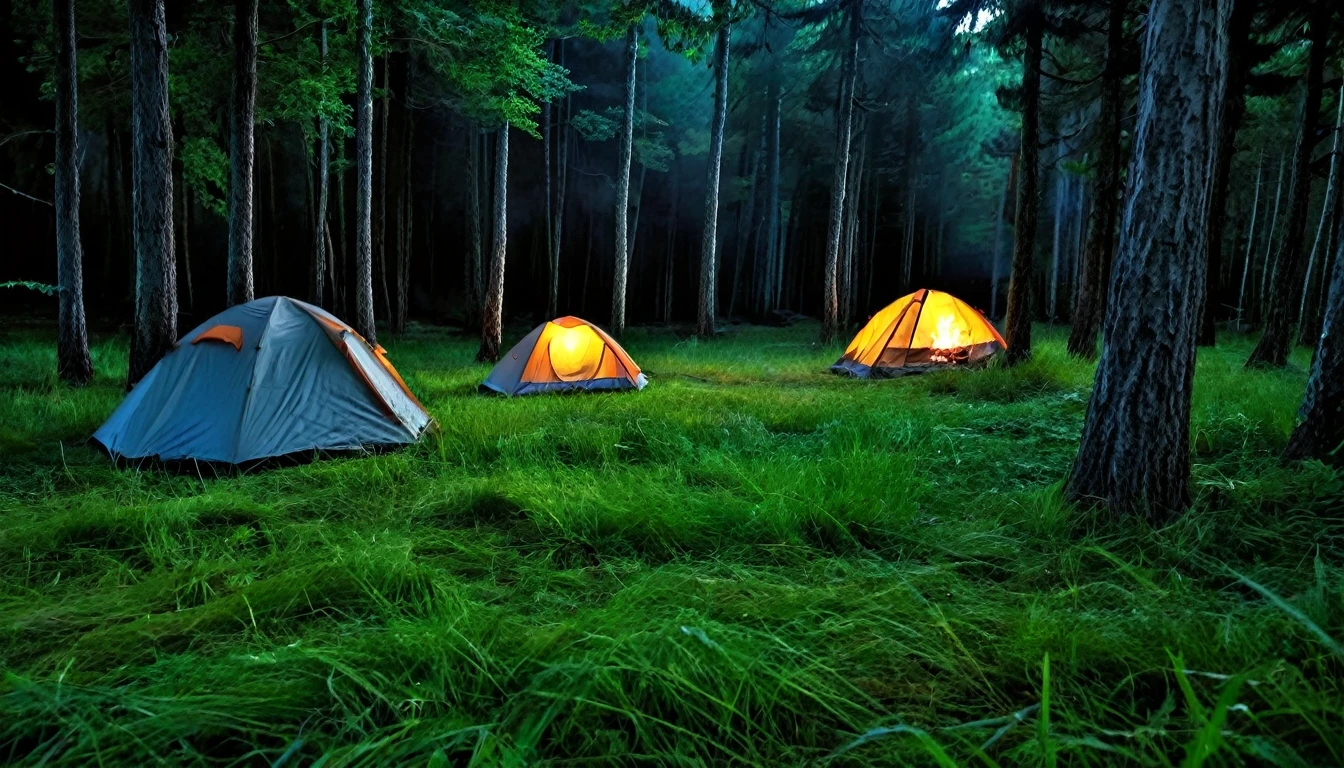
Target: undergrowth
[749, 562]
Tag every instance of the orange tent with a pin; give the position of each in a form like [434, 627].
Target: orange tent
[926, 330]
[564, 355]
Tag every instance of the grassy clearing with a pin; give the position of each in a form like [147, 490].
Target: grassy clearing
[749, 562]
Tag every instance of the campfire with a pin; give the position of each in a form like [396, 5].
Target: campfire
[947, 345]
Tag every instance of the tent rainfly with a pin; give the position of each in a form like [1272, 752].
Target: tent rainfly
[927, 330]
[267, 378]
[567, 354]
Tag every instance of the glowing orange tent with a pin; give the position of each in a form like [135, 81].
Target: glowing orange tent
[926, 330]
[567, 354]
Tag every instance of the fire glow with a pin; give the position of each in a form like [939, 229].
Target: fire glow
[947, 339]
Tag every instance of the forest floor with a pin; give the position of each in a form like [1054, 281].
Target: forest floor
[751, 561]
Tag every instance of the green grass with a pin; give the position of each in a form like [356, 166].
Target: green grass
[750, 562]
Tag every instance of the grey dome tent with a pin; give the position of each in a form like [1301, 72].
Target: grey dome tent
[267, 378]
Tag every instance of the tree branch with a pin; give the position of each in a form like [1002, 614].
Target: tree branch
[25, 194]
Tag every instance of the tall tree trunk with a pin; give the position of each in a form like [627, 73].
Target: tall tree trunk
[1135, 450]
[1310, 311]
[1234, 109]
[709, 241]
[994, 273]
[1262, 283]
[242, 115]
[772, 250]
[1017, 324]
[317, 273]
[1089, 302]
[1315, 324]
[73, 364]
[1320, 432]
[852, 202]
[844, 125]
[1061, 194]
[558, 222]
[1282, 300]
[1250, 243]
[492, 320]
[623, 186]
[152, 171]
[364, 322]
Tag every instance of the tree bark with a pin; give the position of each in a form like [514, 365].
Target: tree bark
[627, 136]
[772, 249]
[1320, 432]
[709, 241]
[1061, 194]
[73, 364]
[492, 320]
[1089, 303]
[242, 116]
[152, 170]
[844, 124]
[1017, 324]
[364, 322]
[1134, 455]
[317, 273]
[1282, 301]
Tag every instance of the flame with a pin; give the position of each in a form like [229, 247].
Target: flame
[947, 338]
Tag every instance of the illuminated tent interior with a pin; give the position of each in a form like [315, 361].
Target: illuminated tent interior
[567, 354]
[926, 330]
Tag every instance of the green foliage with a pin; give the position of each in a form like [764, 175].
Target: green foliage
[42, 288]
[751, 561]
[488, 56]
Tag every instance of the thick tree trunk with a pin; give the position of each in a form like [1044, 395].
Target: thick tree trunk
[1234, 110]
[1017, 324]
[844, 124]
[1309, 316]
[627, 137]
[1282, 301]
[317, 272]
[492, 319]
[709, 241]
[242, 117]
[852, 202]
[1135, 451]
[1320, 432]
[152, 171]
[364, 322]
[1089, 303]
[73, 364]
